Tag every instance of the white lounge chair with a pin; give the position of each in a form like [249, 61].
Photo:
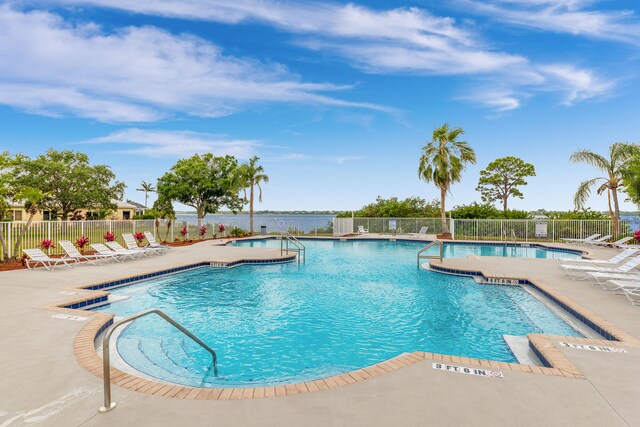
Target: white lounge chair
[618, 286]
[74, 254]
[617, 244]
[599, 240]
[582, 241]
[421, 233]
[611, 261]
[132, 245]
[36, 256]
[362, 230]
[581, 271]
[152, 241]
[633, 295]
[103, 250]
[600, 277]
[121, 250]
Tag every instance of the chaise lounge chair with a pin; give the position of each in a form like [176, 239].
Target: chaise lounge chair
[36, 256]
[74, 254]
[132, 245]
[119, 249]
[362, 230]
[582, 241]
[152, 241]
[618, 286]
[617, 244]
[103, 250]
[582, 271]
[421, 233]
[611, 261]
[599, 240]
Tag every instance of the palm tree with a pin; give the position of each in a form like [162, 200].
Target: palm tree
[252, 176]
[620, 154]
[147, 188]
[32, 198]
[443, 160]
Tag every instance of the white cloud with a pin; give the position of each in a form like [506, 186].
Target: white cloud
[167, 143]
[135, 74]
[562, 16]
[406, 40]
[576, 84]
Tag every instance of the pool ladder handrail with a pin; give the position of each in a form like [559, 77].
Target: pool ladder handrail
[106, 362]
[300, 248]
[513, 236]
[430, 245]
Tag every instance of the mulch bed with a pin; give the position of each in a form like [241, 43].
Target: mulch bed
[11, 265]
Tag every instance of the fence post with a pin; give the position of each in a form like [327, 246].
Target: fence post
[453, 228]
[581, 235]
[10, 240]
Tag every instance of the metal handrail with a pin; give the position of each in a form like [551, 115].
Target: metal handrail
[301, 249]
[429, 245]
[106, 364]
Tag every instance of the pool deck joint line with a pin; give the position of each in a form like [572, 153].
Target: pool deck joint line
[543, 345]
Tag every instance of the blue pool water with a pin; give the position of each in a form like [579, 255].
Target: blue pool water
[350, 305]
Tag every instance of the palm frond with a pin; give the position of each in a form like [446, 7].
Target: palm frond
[591, 158]
[584, 191]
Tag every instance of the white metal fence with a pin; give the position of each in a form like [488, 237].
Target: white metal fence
[548, 230]
[93, 230]
[342, 226]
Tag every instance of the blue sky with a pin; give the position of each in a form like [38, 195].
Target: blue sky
[336, 98]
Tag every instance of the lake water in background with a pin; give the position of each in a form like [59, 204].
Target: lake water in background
[273, 222]
[633, 220]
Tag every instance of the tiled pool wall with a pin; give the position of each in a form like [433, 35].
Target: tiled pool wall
[89, 301]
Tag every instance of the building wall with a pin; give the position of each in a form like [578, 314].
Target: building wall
[18, 213]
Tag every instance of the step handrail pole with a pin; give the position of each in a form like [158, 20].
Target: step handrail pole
[106, 362]
[429, 245]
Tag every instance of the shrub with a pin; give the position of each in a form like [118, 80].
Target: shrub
[475, 211]
[184, 231]
[238, 232]
[109, 236]
[46, 244]
[81, 242]
[203, 231]
[139, 237]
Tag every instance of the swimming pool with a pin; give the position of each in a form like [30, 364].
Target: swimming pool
[350, 305]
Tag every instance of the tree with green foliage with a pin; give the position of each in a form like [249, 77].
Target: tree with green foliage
[411, 207]
[252, 176]
[614, 164]
[163, 210]
[476, 210]
[204, 182]
[584, 213]
[443, 160]
[7, 176]
[501, 179]
[69, 182]
[147, 188]
[32, 199]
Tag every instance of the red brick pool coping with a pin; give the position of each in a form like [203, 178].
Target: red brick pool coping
[561, 366]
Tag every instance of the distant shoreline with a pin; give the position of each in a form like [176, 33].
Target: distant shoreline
[267, 213]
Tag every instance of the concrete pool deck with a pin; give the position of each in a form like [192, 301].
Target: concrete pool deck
[42, 382]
